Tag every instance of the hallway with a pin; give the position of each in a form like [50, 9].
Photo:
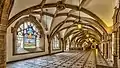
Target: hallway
[70, 59]
[59, 33]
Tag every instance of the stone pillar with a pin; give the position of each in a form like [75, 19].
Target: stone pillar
[103, 49]
[49, 45]
[2, 46]
[119, 47]
[5, 8]
[103, 45]
[3, 28]
[106, 50]
[69, 45]
[110, 46]
[106, 46]
[63, 45]
[115, 50]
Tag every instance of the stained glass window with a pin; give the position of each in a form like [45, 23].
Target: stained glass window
[28, 37]
[55, 42]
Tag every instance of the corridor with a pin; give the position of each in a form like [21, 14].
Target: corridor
[68, 59]
[59, 34]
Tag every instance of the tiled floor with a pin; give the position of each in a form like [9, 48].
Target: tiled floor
[71, 59]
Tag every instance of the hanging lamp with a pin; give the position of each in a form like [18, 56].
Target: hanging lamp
[78, 24]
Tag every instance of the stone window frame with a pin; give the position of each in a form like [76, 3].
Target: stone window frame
[18, 23]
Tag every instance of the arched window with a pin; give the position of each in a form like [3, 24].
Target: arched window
[55, 42]
[27, 38]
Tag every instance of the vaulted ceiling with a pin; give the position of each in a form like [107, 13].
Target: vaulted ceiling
[102, 8]
[62, 16]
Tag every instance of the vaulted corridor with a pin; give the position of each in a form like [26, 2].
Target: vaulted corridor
[60, 33]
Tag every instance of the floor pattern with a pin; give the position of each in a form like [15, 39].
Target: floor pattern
[71, 59]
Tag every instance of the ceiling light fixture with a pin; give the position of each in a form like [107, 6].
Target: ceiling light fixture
[79, 25]
[87, 35]
[90, 39]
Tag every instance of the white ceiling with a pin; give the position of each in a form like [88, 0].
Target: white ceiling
[102, 8]
[20, 5]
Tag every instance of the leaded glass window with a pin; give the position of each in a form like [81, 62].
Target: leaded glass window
[27, 38]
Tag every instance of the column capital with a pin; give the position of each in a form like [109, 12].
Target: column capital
[114, 31]
[115, 55]
[3, 27]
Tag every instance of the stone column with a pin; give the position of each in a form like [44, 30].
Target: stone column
[5, 8]
[103, 49]
[49, 44]
[63, 44]
[106, 50]
[3, 28]
[2, 46]
[119, 47]
[103, 45]
[69, 45]
[115, 50]
[106, 46]
[110, 46]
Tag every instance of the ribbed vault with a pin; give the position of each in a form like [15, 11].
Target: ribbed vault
[64, 19]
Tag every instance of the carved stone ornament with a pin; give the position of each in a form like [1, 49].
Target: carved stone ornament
[60, 5]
